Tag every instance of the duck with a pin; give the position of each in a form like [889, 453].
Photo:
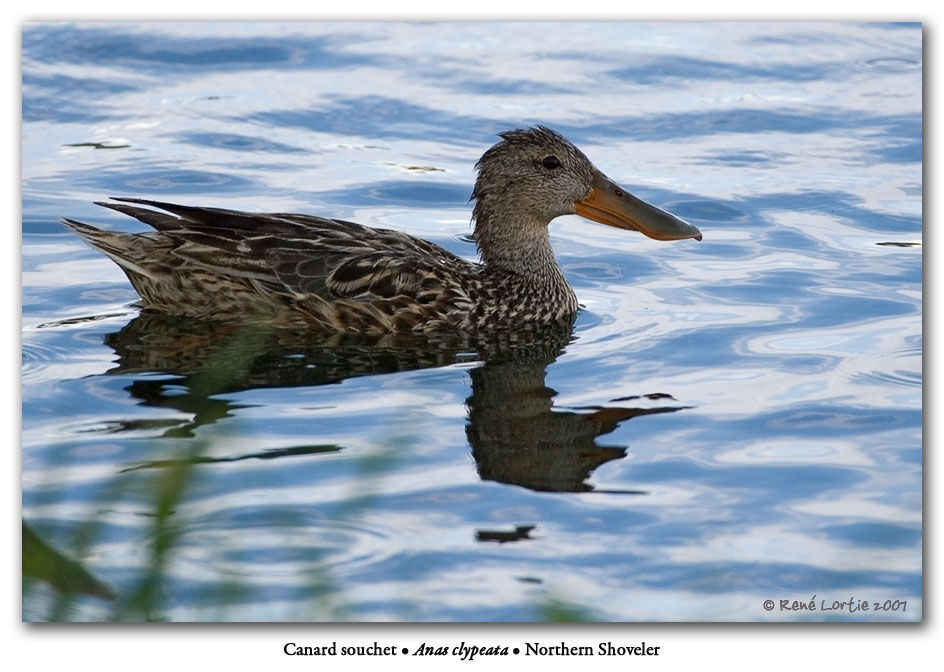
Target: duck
[307, 271]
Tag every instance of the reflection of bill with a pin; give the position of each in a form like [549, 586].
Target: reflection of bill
[518, 437]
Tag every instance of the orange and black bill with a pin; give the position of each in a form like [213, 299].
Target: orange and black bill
[612, 205]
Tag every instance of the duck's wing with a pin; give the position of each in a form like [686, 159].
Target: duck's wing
[302, 255]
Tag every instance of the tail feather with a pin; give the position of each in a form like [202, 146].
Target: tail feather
[159, 220]
[117, 246]
[183, 215]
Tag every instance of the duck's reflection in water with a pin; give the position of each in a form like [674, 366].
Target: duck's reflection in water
[518, 437]
[515, 433]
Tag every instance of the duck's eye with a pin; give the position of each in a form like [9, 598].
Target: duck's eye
[550, 162]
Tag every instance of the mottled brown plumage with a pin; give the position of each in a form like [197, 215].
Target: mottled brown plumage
[339, 276]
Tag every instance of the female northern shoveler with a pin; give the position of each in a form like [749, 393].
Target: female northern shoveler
[330, 274]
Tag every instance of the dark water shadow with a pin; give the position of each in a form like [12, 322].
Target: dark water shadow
[515, 433]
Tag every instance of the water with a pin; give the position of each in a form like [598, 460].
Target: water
[731, 421]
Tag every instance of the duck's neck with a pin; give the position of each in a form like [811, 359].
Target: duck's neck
[512, 242]
[519, 260]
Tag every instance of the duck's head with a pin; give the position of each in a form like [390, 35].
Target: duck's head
[534, 175]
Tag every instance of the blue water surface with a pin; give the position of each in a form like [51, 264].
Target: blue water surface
[734, 421]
